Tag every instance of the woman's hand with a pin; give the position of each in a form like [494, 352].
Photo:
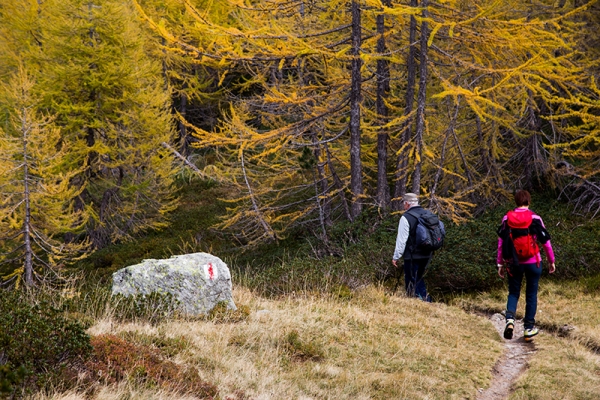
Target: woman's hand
[552, 268]
[500, 270]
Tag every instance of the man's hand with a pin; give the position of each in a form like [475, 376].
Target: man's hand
[500, 270]
[552, 268]
[395, 263]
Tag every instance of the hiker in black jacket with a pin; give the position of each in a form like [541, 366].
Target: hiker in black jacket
[415, 261]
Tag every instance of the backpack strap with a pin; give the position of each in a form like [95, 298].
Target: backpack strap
[413, 227]
[522, 223]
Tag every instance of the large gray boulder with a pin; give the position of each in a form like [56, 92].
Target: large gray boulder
[198, 281]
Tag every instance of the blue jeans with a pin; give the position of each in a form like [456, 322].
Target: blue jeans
[532, 273]
[414, 269]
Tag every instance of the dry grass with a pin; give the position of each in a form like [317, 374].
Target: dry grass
[560, 369]
[369, 345]
[373, 346]
[566, 364]
[562, 307]
[120, 392]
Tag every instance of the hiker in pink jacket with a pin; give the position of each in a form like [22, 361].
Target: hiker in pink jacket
[519, 256]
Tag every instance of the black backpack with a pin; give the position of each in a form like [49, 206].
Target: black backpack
[430, 231]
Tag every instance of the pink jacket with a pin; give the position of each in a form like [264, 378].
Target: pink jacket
[534, 259]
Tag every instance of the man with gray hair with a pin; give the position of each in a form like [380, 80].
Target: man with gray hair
[415, 260]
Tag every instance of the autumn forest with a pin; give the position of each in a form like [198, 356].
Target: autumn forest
[309, 112]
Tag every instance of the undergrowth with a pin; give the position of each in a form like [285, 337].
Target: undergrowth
[353, 254]
[360, 253]
[116, 359]
[39, 342]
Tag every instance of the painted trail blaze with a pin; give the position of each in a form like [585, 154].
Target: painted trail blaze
[210, 271]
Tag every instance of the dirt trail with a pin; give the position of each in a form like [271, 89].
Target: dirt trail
[511, 365]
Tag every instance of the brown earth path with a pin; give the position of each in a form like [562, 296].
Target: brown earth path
[511, 365]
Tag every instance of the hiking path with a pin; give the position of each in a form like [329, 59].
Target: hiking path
[512, 363]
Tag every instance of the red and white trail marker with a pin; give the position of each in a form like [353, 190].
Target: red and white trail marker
[210, 271]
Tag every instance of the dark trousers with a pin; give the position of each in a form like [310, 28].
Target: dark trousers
[414, 269]
[532, 274]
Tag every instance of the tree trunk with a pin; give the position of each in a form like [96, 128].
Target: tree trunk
[535, 161]
[356, 185]
[323, 187]
[183, 136]
[402, 161]
[383, 87]
[421, 100]
[28, 263]
[433, 203]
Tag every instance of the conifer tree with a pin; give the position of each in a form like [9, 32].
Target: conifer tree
[492, 79]
[290, 56]
[37, 208]
[382, 109]
[111, 102]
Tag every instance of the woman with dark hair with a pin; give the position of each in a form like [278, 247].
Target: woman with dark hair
[519, 256]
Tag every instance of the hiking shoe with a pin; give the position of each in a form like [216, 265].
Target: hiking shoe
[530, 333]
[510, 326]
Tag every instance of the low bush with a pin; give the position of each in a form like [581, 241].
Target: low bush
[115, 359]
[37, 342]
[11, 378]
[360, 253]
[468, 259]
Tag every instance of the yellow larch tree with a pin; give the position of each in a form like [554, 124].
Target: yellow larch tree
[301, 68]
[112, 103]
[498, 72]
[37, 208]
[461, 95]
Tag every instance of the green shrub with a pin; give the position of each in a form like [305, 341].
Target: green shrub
[38, 340]
[468, 259]
[11, 378]
[356, 253]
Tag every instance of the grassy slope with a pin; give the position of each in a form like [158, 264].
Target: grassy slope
[370, 346]
[360, 342]
[367, 345]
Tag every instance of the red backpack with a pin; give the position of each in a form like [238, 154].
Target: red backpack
[520, 234]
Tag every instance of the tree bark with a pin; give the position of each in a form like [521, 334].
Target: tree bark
[405, 132]
[28, 263]
[535, 162]
[356, 185]
[421, 100]
[183, 135]
[323, 187]
[383, 87]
